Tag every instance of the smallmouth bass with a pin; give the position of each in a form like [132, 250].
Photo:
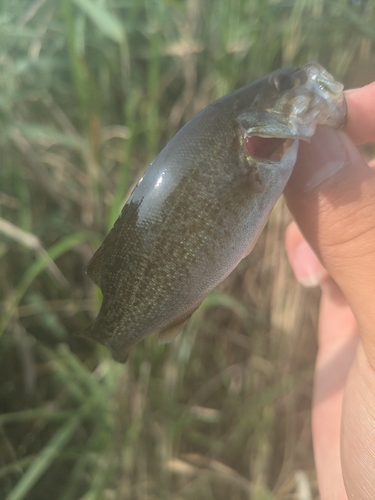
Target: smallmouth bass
[202, 203]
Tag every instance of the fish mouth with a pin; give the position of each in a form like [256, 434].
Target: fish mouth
[268, 148]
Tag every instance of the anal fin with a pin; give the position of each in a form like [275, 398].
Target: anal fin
[171, 332]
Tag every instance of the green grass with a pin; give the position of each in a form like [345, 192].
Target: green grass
[90, 91]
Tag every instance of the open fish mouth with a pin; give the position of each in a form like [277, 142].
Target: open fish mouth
[271, 149]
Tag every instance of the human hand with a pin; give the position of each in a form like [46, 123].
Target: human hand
[331, 195]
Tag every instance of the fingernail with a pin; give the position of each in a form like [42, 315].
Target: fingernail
[306, 266]
[319, 160]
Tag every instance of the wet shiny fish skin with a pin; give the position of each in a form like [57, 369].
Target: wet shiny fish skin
[202, 203]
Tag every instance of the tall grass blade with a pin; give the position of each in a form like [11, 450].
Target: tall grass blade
[46, 457]
[107, 23]
[36, 268]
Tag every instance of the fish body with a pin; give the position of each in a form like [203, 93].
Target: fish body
[202, 203]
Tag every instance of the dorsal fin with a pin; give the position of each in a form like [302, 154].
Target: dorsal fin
[94, 266]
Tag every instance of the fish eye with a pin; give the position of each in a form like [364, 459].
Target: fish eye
[284, 82]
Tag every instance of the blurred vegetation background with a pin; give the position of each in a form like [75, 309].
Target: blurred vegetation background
[90, 91]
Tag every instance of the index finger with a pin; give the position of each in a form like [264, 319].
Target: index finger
[361, 114]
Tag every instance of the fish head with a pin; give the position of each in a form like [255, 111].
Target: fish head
[289, 104]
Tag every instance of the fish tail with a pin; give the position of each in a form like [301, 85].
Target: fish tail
[119, 350]
[89, 333]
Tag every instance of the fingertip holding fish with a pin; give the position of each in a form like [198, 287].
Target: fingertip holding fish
[203, 202]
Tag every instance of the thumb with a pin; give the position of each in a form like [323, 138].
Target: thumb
[331, 195]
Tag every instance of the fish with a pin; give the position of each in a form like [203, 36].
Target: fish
[200, 206]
